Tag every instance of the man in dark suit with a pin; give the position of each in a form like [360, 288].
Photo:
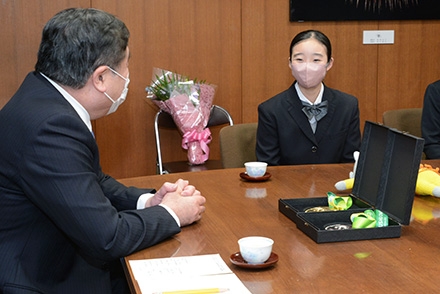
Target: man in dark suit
[309, 123]
[64, 224]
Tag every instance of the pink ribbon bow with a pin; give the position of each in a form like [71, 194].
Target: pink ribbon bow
[204, 137]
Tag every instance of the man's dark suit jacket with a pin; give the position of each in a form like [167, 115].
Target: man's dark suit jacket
[285, 137]
[431, 121]
[62, 221]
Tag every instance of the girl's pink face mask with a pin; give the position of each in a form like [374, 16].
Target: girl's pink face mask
[309, 74]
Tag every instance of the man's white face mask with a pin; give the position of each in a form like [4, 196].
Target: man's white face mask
[123, 95]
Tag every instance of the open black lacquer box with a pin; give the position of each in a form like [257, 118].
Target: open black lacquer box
[385, 179]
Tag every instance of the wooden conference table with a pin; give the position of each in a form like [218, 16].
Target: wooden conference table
[236, 208]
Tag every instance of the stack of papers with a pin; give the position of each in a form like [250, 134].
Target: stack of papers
[187, 274]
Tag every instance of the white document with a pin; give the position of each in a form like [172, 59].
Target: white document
[186, 273]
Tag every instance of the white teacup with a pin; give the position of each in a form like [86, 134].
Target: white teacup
[255, 249]
[255, 169]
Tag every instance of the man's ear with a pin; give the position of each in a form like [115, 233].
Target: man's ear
[98, 78]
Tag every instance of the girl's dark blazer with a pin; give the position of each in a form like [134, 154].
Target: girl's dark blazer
[284, 135]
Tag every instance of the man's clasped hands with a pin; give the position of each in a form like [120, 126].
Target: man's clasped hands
[184, 199]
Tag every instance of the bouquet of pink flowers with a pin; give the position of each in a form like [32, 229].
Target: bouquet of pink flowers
[189, 102]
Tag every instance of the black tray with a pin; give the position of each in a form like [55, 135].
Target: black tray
[385, 179]
[291, 207]
[313, 225]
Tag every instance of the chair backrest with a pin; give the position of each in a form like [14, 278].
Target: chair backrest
[237, 144]
[406, 120]
[218, 116]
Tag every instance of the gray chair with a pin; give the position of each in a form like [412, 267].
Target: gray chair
[408, 120]
[163, 120]
[237, 144]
